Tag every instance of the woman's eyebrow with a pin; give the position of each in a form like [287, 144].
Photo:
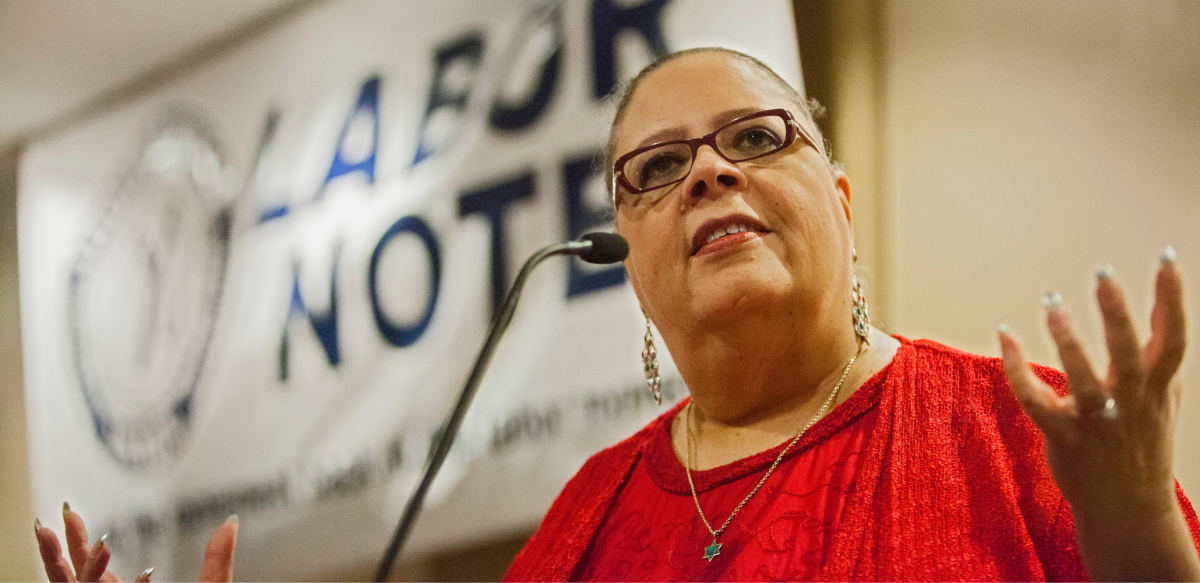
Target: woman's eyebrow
[662, 136]
[717, 120]
[729, 115]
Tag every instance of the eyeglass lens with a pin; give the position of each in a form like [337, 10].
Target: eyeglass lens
[736, 142]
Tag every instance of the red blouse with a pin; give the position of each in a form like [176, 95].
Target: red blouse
[784, 533]
[952, 485]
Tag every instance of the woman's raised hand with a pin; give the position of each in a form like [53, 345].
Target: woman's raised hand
[1109, 444]
[89, 562]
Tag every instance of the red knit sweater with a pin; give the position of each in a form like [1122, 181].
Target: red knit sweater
[953, 485]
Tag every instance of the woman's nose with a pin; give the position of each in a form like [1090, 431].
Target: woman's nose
[711, 173]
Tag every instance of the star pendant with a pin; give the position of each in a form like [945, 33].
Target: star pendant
[711, 551]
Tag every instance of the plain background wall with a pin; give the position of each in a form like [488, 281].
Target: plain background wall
[1025, 142]
[18, 551]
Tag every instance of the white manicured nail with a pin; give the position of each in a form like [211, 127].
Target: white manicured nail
[1051, 300]
[1167, 255]
[1104, 271]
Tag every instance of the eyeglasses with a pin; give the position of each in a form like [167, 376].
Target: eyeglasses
[659, 165]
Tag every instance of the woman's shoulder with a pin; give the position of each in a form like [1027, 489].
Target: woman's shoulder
[574, 517]
[936, 361]
[611, 466]
[627, 450]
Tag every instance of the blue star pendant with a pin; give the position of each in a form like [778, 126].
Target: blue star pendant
[711, 551]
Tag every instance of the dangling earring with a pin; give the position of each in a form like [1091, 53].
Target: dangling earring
[650, 366]
[861, 318]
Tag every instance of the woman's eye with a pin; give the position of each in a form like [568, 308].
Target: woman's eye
[756, 139]
[660, 167]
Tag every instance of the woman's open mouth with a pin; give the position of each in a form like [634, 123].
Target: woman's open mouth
[725, 233]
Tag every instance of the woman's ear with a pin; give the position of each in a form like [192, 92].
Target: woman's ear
[841, 183]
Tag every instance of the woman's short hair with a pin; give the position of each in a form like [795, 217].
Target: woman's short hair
[809, 108]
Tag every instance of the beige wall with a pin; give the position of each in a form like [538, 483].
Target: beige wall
[18, 551]
[1023, 143]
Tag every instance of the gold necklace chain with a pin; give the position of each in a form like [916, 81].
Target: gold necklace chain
[711, 551]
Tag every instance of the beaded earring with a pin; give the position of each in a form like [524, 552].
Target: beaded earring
[650, 366]
[859, 314]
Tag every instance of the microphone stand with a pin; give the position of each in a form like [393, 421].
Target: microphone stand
[438, 454]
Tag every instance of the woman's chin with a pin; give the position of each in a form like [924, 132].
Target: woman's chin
[734, 292]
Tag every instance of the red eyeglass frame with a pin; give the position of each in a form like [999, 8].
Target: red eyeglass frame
[793, 128]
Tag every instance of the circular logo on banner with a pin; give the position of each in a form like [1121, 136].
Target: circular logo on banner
[145, 288]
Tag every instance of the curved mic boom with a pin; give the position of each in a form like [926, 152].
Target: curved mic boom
[593, 248]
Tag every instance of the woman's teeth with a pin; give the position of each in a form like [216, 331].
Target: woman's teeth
[717, 234]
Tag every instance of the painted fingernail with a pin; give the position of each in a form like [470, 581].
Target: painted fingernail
[1104, 271]
[147, 573]
[37, 525]
[1002, 328]
[233, 519]
[1051, 300]
[103, 540]
[66, 507]
[1167, 255]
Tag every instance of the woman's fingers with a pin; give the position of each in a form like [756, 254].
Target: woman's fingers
[218, 557]
[77, 544]
[1085, 387]
[1124, 351]
[57, 567]
[77, 537]
[97, 561]
[1168, 337]
[1046, 408]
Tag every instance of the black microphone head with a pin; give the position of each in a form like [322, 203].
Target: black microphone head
[606, 248]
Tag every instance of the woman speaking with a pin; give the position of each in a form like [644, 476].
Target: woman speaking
[814, 446]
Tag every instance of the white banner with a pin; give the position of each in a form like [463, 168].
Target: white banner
[260, 289]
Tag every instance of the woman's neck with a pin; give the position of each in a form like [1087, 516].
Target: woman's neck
[749, 399]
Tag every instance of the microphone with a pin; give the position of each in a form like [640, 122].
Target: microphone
[600, 248]
[606, 248]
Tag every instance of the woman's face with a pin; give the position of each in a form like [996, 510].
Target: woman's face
[795, 248]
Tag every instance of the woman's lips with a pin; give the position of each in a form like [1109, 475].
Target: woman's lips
[732, 227]
[727, 242]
